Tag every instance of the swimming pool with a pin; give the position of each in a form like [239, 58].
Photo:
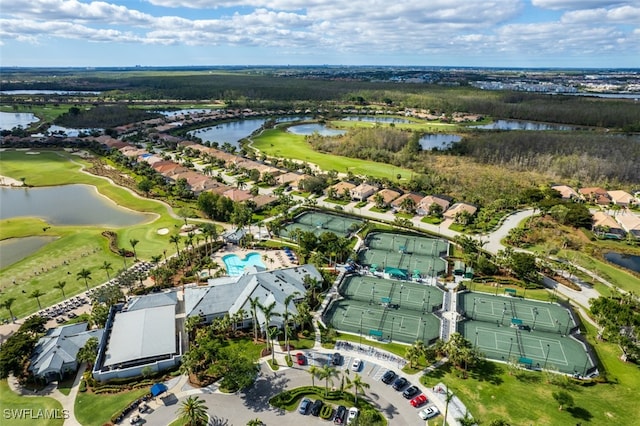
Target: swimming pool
[235, 266]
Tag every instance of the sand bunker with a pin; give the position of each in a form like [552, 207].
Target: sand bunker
[163, 231]
[32, 153]
[7, 181]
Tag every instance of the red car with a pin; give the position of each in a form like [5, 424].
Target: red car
[300, 358]
[419, 400]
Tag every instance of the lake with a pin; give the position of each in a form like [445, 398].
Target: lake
[67, 205]
[375, 119]
[522, 125]
[9, 120]
[628, 261]
[69, 131]
[15, 249]
[311, 128]
[438, 140]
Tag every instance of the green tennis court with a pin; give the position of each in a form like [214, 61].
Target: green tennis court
[533, 334]
[404, 255]
[319, 222]
[376, 321]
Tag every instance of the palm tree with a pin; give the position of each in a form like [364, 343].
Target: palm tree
[268, 313]
[36, 295]
[134, 243]
[285, 316]
[84, 274]
[327, 373]
[107, 267]
[447, 399]
[412, 354]
[467, 420]
[255, 302]
[358, 386]
[193, 411]
[60, 286]
[175, 239]
[255, 422]
[315, 372]
[89, 351]
[7, 305]
[122, 252]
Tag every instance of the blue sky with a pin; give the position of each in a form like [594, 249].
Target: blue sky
[501, 33]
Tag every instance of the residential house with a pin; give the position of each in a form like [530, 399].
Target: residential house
[459, 208]
[566, 192]
[595, 195]
[341, 188]
[263, 200]
[621, 198]
[424, 205]
[291, 179]
[606, 226]
[55, 353]
[238, 195]
[362, 192]
[416, 198]
[387, 196]
[630, 222]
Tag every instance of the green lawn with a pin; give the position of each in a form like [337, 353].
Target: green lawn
[279, 143]
[614, 275]
[493, 393]
[80, 246]
[96, 410]
[11, 401]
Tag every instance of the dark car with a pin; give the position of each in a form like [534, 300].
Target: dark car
[315, 407]
[341, 412]
[336, 358]
[400, 383]
[410, 392]
[388, 377]
[304, 406]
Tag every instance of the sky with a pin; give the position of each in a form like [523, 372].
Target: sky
[474, 33]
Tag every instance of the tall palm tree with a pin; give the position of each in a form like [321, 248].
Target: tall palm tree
[255, 302]
[175, 239]
[285, 316]
[193, 411]
[327, 373]
[60, 286]
[314, 371]
[85, 274]
[447, 399]
[122, 252]
[36, 294]
[7, 305]
[107, 267]
[134, 243]
[358, 386]
[268, 312]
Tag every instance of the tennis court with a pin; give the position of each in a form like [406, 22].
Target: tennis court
[404, 255]
[503, 329]
[387, 309]
[319, 222]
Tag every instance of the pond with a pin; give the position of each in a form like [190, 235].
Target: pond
[438, 140]
[628, 261]
[9, 120]
[311, 128]
[69, 131]
[233, 131]
[375, 119]
[67, 205]
[522, 125]
[48, 92]
[15, 249]
[188, 111]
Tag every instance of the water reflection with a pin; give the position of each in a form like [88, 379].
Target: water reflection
[521, 125]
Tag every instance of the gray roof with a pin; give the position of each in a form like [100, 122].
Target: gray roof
[59, 347]
[141, 334]
[152, 301]
[231, 296]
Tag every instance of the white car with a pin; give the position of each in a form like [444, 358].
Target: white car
[428, 412]
[353, 414]
[357, 363]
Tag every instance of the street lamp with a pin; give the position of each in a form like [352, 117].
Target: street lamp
[504, 311]
[535, 317]
[361, 315]
[424, 327]
[510, 345]
[473, 312]
[546, 357]
[391, 336]
[423, 306]
[476, 345]
[429, 301]
[400, 301]
[568, 322]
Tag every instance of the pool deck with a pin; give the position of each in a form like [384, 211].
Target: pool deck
[272, 259]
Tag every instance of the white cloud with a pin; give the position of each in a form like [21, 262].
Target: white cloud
[619, 15]
[579, 4]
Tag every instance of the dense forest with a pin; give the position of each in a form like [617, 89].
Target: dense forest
[103, 116]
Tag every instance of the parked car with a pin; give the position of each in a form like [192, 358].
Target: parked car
[388, 377]
[135, 420]
[316, 406]
[341, 412]
[304, 406]
[411, 391]
[353, 415]
[143, 408]
[419, 400]
[336, 358]
[357, 363]
[400, 383]
[428, 412]
[301, 359]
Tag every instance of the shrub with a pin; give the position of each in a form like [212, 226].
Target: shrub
[83, 386]
[326, 411]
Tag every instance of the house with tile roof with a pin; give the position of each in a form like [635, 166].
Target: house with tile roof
[416, 198]
[606, 226]
[630, 222]
[424, 205]
[362, 192]
[622, 198]
[595, 195]
[458, 208]
[55, 353]
[566, 192]
[388, 195]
